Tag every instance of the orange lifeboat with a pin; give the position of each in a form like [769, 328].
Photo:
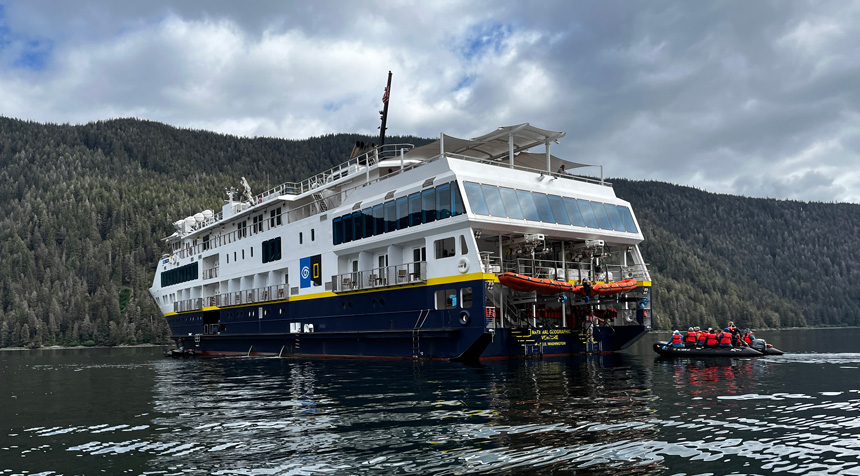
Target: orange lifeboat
[523, 283]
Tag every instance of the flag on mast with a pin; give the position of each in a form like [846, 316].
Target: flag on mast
[385, 96]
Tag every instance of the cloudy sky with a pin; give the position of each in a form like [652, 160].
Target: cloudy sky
[757, 98]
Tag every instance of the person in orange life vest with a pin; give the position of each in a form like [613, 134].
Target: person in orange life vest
[690, 339]
[712, 338]
[748, 336]
[702, 338]
[677, 340]
[725, 338]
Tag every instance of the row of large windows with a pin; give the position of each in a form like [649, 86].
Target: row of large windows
[426, 206]
[535, 206]
[272, 250]
[180, 274]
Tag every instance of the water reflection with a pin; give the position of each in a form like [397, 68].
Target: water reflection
[596, 415]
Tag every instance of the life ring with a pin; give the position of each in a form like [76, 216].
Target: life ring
[463, 265]
[464, 318]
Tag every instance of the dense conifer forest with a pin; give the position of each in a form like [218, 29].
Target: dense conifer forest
[83, 210]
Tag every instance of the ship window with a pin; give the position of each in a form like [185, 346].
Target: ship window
[402, 205]
[243, 253]
[543, 208]
[378, 220]
[527, 204]
[458, 208]
[587, 213]
[242, 229]
[573, 212]
[358, 230]
[509, 200]
[348, 231]
[415, 209]
[428, 204]
[627, 219]
[313, 234]
[275, 218]
[493, 200]
[558, 212]
[446, 299]
[600, 214]
[272, 250]
[390, 217]
[367, 213]
[444, 248]
[466, 298]
[252, 252]
[443, 201]
[614, 218]
[337, 230]
[463, 248]
[476, 198]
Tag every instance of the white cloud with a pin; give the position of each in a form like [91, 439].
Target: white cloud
[760, 101]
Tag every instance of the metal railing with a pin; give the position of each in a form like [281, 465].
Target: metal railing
[278, 292]
[409, 273]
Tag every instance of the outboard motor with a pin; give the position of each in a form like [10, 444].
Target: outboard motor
[759, 345]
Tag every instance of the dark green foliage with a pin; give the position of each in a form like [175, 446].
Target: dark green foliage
[759, 262]
[83, 210]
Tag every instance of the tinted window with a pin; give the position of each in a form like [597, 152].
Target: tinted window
[542, 205]
[587, 213]
[600, 214]
[357, 223]
[614, 218]
[337, 230]
[428, 204]
[476, 199]
[368, 223]
[347, 227]
[627, 219]
[378, 220]
[390, 217]
[443, 201]
[402, 213]
[558, 211]
[458, 200]
[494, 200]
[573, 213]
[509, 200]
[527, 205]
[415, 209]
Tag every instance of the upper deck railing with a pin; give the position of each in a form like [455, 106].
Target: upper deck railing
[362, 163]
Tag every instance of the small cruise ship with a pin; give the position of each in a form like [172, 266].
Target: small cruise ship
[461, 249]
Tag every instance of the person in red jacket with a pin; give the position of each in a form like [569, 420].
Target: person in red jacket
[677, 340]
[712, 339]
[725, 338]
[702, 338]
[748, 336]
[690, 339]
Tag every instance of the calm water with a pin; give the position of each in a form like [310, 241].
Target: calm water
[130, 411]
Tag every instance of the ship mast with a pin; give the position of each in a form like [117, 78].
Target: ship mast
[384, 112]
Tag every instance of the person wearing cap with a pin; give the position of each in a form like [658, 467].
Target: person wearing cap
[690, 339]
[748, 336]
[677, 340]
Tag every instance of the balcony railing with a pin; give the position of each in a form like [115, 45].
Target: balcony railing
[409, 273]
[280, 292]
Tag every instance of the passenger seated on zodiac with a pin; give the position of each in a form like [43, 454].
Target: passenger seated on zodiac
[690, 339]
[677, 340]
[725, 338]
[748, 336]
[702, 338]
[712, 338]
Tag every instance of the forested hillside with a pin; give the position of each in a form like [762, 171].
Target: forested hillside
[83, 210]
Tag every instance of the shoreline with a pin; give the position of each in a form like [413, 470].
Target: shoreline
[69, 347]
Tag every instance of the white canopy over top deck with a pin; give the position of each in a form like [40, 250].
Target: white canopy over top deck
[509, 142]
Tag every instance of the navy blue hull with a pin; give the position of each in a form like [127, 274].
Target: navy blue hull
[394, 323]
